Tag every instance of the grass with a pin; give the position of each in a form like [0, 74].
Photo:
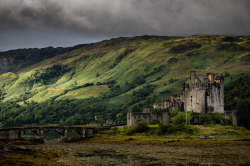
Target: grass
[93, 63]
[82, 93]
[153, 125]
[223, 133]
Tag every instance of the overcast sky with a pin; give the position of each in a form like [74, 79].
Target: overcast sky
[42, 23]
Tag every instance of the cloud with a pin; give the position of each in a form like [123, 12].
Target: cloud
[98, 19]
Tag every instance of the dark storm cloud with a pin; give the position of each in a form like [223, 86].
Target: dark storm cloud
[38, 23]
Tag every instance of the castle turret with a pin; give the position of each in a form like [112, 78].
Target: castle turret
[171, 98]
[210, 77]
[192, 76]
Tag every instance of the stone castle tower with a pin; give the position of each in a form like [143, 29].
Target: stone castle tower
[203, 93]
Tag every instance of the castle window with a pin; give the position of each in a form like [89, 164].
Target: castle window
[191, 100]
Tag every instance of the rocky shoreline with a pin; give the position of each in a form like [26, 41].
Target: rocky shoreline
[20, 153]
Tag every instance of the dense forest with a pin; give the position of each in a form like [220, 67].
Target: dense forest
[237, 96]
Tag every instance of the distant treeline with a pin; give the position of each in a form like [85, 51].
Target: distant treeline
[237, 96]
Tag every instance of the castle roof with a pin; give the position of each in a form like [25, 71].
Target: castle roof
[202, 78]
[217, 77]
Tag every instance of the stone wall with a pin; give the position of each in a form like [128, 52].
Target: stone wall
[133, 117]
[161, 115]
[6, 134]
[215, 98]
[194, 97]
[150, 115]
[18, 133]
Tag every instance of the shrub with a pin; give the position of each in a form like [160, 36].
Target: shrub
[174, 112]
[227, 74]
[140, 126]
[183, 48]
[215, 118]
[163, 129]
[180, 119]
[115, 129]
[205, 119]
[168, 129]
[210, 109]
[97, 75]
[131, 131]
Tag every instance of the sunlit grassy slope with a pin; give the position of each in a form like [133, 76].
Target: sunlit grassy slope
[157, 59]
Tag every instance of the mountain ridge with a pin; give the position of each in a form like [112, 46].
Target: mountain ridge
[144, 55]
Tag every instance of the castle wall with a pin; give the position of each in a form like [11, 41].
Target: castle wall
[162, 115]
[194, 100]
[158, 114]
[212, 97]
[194, 95]
[221, 107]
[133, 117]
[215, 98]
[166, 118]
[150, 115]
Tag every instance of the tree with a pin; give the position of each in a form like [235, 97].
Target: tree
[180, 119]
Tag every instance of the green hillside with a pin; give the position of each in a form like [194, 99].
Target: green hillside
[15, 60]
[109, 77]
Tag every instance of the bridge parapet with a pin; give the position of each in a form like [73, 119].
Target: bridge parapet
[18, 133]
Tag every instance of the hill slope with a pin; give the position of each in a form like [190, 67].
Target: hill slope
[119, 73]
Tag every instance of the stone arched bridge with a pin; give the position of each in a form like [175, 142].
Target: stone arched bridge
[18, 133]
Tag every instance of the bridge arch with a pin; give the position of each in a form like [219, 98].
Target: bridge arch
[74, 134]
[35, 131]
[56, 130]
[29, 134]
[52, 135]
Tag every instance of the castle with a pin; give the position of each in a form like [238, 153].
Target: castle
[201, 94]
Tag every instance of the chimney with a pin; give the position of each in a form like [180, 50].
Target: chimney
[210, 77]
[171, 98]
[192, 76]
